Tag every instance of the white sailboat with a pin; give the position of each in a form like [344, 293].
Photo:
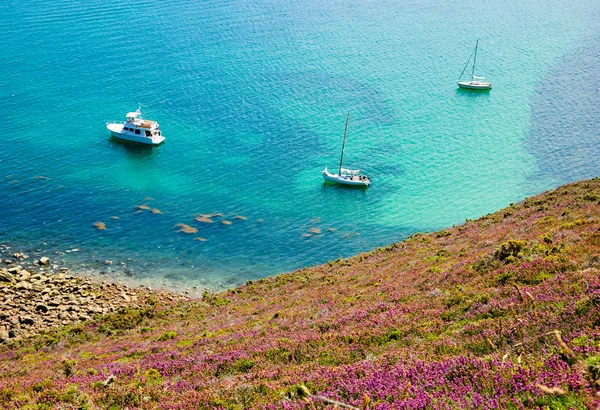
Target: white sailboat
[345, 176]
[475, 83]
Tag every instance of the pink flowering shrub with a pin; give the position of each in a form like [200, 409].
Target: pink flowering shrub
[501, 312]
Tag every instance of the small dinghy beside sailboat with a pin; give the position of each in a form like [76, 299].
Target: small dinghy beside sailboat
[476, 82]
[351, 177]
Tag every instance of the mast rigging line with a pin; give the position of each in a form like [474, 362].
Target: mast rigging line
[466, 65]
[343, 143]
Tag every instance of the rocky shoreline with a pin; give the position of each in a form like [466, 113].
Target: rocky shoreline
[36, 296]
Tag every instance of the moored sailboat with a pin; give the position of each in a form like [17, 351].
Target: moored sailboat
[345, 176]
[476, 82]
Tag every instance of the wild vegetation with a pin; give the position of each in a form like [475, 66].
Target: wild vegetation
[501, 312]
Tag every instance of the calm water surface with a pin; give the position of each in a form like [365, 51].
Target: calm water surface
[252, 97]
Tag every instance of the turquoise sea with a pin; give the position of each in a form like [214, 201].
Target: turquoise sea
[252, 97]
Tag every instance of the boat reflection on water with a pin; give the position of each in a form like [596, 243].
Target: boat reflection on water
[133, 150]
[327, 185]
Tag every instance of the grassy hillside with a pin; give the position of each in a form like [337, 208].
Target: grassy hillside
[501, 312]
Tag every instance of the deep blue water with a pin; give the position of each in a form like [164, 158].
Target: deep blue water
[252, 98]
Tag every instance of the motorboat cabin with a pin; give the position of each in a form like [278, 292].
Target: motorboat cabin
[137, 129]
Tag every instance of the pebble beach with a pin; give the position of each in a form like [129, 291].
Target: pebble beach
[37, 295]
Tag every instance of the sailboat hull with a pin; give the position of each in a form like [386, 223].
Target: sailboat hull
[474, 85]
[346, 179]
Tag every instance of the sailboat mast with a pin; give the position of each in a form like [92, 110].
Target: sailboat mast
[474, 60]
[343, 143]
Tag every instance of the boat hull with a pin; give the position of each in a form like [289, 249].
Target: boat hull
[346, 180]
[116, 130]
[474, 85]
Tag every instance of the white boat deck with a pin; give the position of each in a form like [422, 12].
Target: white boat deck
[136, 129]
[475, 85]
[347, 179]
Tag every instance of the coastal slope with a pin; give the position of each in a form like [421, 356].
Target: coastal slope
[500, 312]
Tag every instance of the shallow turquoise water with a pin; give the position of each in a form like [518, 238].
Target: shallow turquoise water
[252, 98]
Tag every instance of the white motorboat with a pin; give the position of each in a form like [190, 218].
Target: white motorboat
[136, 129]
[475, 83]
[351, 177]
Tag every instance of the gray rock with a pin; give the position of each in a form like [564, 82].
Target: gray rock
[94, 309]
[44, 261]
[24, 275]
[4, 335]
[109, 380]
[23, 286]
[26, 320]
[6, 277]
[41, 308]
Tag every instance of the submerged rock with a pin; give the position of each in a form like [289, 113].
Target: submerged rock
[200, 239]
[224, 222]
[142, 207]
[186, 228]
[351, 234]
[204, 219]
[316, 231]
[243, 218]
[155, 211]
[101, 226]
